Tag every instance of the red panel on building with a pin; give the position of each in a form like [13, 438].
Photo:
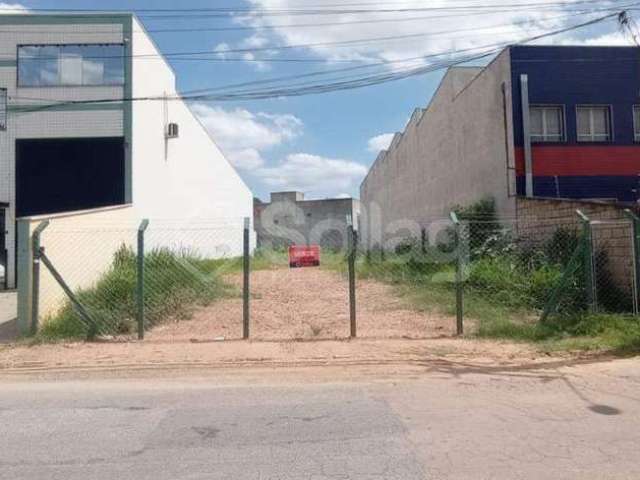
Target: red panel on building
[307, 256]
[585, 160]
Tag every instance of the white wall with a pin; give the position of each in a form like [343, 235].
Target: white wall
[81, 246]
[187, 178]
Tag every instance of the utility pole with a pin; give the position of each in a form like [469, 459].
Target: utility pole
[629, 26]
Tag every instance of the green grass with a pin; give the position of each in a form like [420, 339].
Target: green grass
[261, 260]
[175, 285]
[505, 304]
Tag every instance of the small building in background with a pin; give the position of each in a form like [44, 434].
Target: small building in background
[289, 219]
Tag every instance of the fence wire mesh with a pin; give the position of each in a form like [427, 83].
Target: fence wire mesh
[90, 281]
[92, 265]
[492, 277]
[405, 284]
[614, 289]
[509, 278]
[299, 303]
[193, 280]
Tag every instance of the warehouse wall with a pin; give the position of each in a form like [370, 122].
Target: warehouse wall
[453, 153]
[186, 178]
[97, 121]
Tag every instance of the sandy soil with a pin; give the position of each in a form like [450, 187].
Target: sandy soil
[461, 354]
[305, 304]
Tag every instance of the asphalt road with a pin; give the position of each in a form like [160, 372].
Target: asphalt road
[445, 423]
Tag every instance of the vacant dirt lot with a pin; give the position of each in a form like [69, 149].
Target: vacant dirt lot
[306, 304]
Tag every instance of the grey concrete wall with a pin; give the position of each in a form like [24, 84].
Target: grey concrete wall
[453, 153]
[285, 222]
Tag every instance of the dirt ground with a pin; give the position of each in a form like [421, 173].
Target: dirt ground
[391, 354]
[308, 304]
[298, 318]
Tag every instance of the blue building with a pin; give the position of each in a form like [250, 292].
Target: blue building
[584, 120]
[537, 121]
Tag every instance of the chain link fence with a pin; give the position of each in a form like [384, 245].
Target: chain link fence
[614, 288]
[205, 281]
[82, 286]
[116, 282]
[405, 283]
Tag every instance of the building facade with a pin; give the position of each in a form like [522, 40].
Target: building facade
[73, 135]
[561, 122]
[289, 219]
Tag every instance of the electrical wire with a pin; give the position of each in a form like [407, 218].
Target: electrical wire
[339, 84]
[334, 44]
[95, 31]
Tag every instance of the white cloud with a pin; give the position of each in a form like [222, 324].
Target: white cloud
[243, 135]
[12, 8]
[609, 39]
[380, 142]
[254, 41]
[449, 30]
[221, 49]
[313, 174]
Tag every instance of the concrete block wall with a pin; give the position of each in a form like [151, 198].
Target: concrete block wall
[538, 219]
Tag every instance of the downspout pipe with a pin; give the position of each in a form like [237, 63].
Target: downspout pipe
[526, 133]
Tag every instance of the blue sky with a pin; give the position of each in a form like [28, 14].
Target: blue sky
[323, 144]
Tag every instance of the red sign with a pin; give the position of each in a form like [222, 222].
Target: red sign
[308, 256]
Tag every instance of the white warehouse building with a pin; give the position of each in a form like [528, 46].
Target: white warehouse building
[63, 148]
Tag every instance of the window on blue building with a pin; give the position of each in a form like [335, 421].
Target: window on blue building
[70, 65]
[594, 123]
[546, 123]
[636, 123]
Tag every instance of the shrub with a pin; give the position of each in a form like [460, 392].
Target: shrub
[175, 284]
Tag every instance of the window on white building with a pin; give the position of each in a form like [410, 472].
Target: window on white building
[70, 65]
[594, 123]
[546, 123]
[3, 109]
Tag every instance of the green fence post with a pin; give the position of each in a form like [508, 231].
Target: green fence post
[351, 258]
[635, 233]
[246, 272]
[459, 270]
[590, 284]
[35, 288]
[140, 279]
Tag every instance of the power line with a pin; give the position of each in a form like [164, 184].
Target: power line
[268, 48]
[343, 84]
[95, 31]
[306, 10]
[202, 13]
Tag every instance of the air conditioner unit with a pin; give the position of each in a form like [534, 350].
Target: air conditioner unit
[173, 131]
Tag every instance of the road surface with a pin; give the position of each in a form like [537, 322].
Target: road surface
[572, 422]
